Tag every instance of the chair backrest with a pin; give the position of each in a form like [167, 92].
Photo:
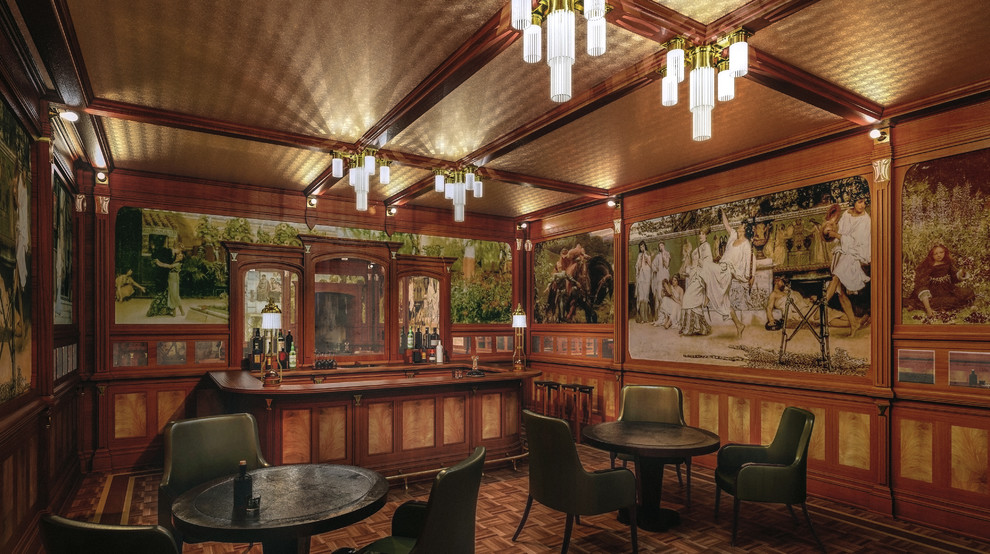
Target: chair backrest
[451, 508]
[554, 465]
[790, 444]
[659, 404]
[202, 449]
[67, 536]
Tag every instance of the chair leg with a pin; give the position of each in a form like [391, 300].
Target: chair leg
[632, 528]
[687, 463]
[804, 507]
[718, 496]
[735, 519]
[529, 504]
[577, 519]
[611, 459]
[680, 481]
[567, 533]
[793, 515]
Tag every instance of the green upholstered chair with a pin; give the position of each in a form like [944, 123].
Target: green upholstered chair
[777, 473]
[558, 480]
[67, 536]
[442, 525]
[201, 449]
[660, 404]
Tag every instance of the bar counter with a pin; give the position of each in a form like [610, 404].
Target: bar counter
[395, 419]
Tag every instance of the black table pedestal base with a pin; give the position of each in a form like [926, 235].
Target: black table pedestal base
[656, 519]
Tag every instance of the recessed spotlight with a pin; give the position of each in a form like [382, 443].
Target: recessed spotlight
[612, 202]
[391, 210]
[311, 201]
[68, 115]
[102, 177]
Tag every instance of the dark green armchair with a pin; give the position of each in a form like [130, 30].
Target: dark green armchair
[777, 473]
[67, 536]
[558, 480]
[442, 525]
[659, 404]
[202, 449]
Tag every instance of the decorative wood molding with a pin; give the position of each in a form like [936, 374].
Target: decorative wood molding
[103, 205]
[80, 203]
[881, 171]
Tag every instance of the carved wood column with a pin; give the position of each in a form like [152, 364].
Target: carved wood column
[102, 317]
[41, 261]
[881, 275]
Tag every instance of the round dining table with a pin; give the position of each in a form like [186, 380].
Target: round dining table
[650, 444]
[296, 502]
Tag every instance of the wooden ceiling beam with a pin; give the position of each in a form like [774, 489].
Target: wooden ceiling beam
[542, 183]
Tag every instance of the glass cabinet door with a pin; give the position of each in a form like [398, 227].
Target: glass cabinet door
[281, 288]
[349, 307]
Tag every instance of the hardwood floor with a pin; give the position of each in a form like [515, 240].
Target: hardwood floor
[132, 498]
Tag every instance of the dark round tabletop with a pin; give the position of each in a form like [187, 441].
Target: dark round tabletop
[297, 501]
[650, 440]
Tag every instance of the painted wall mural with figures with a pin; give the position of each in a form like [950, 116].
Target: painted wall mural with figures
[574, 279]
[778, 281]
[945, 263]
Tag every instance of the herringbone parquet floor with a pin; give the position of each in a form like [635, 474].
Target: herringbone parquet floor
[132, 498]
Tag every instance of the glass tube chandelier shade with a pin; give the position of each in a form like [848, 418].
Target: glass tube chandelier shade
[521, 14]
[560, 52]
[384, 172]
[455, 184]
[532, 43]
[726, 83]
[337, 166]
[596, 36]
[675, 58]
[669, 90]
[560, 18]
[738, 53]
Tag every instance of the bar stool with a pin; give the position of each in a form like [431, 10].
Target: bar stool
[577, 405]
[548, 387]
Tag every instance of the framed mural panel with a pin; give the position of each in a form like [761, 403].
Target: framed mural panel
[969, 369]
[916, 366]
[15, 257]
[945, 221]
[574, 279]
[779, 281]
[62, 255]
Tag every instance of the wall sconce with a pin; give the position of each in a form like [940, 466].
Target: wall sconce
[519, 351]
[311, 201]
[391, 211]
[68, 115]
[613, 203]
[879, 135]
[522, 226]
[102, 178]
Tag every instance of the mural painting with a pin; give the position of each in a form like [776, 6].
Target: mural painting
[574, 279]
[779, 281]
[945, 263]
[15, 257]
[171, 267]
[62, 255]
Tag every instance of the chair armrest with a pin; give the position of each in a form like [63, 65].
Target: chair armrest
[760, 482]
[409, 518]
[732, 456]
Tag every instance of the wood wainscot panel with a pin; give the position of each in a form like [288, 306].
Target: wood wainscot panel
[708, 412]
[969, 459]
[171, 406]
[738, 422]
[297, 436]
[381, 428]
[419, 423]
[855, 441]
[491, 416]
[454, 421]
[130, 415]
[333, 434]
[915, 446]
[769, 420]
[512, 410]
[19, 462]
[816, 450]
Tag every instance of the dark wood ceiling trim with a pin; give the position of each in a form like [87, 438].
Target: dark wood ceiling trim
[144, 114]
[324, 182]
[606, 92]
[801, 85]
[488, 42]
[410, 193]
[53, 36]
[755, 16]
[559, 209]
[543, 183]
[654, 21]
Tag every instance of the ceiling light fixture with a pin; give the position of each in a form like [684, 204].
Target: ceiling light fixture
[612, 202]
[102, 178]
[391, 211]
[878, 135]
[68, 115]
[559, 15]
[455, 184]
[311, 201]
[362, 167]
[727, 58]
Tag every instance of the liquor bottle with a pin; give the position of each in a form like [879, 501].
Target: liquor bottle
[256, 350]
[292, 357]
[242, 489]
[402, 339]
[288, 341]
[279, 342]
[419, 339]
[434, 338]
[411, 339]
[283, 359]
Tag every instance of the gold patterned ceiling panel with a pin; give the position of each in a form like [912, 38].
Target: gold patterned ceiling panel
[499, 199]
[636, 138]
[509, 92]
[327, 69]
[147, 147]
[703, 12]
[889, 51]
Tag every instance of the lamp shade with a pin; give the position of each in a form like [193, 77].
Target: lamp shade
[519, 318]
[271, 316]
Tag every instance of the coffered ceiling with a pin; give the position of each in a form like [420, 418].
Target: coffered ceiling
[259, 93]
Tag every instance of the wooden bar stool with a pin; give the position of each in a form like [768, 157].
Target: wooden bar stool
[577, 405]
[549, 403]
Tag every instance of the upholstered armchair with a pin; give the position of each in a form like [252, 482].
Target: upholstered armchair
[558, 480]
[658, 404]
[202, 449]
[67, 536]
[777, 473]
[442, 525]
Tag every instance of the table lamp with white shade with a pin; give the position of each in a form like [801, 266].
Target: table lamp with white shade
[271, 321]
[519, 325]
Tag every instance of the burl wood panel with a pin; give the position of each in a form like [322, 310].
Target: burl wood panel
[687, 408]
[708, 412]
[770, 420]
[609, 395]
[297, 435]
[380, 431]
[419, 423]
[512, 401]
[130, 415]
[332, 433]
[916, 450]
[171, 406]
[969, 459]
[491, 416]
[816, 449]
[454, 429]
[854, 439]
[738, 423]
